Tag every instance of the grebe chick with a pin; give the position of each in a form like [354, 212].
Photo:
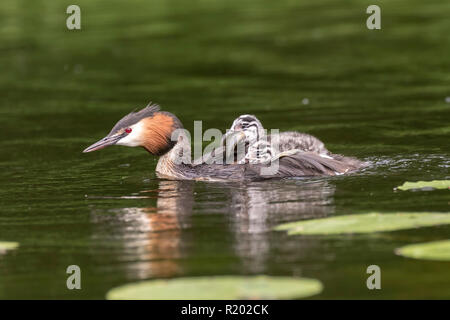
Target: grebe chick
[262, 149]
[287, 140]
[263, 152]
[244, 131]
[161, 133]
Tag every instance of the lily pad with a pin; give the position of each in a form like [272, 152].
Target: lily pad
[425, 185]
[436, 250]
[365, 223]
[6, 245]
[218, 288]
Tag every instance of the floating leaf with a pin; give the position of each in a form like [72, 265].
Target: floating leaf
[365, 223]
[6, 245]
[218, 288]
[425, 185]
[436, 250]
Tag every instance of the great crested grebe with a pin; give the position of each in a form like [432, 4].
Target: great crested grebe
[162, 134]
[253, 131]
[262, 148]
[258, 147]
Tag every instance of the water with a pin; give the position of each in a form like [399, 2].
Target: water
[377, 95]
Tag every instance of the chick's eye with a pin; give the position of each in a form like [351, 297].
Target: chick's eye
[128, 130]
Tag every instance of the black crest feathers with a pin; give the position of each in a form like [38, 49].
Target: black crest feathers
[135, 117]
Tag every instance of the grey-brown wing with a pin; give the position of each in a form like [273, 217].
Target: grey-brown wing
[303, 164]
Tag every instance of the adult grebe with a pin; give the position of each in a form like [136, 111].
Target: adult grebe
[162, 134]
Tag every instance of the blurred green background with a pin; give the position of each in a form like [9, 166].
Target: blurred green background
[313, 66]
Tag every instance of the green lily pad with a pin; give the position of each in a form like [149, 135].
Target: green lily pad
[436, 250]
[6, 245]
[365, 223]
[218, 288]
[434, 184]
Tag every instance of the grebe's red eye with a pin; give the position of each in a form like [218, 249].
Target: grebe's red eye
[128, 130]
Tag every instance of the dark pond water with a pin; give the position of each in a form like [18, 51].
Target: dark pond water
[377, 95]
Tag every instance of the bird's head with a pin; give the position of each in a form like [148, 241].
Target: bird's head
[246, 128]
[149, 128]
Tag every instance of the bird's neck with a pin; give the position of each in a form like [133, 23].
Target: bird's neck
[176, 163]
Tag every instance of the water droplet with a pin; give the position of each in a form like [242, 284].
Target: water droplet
[78, 68]
[123, 165]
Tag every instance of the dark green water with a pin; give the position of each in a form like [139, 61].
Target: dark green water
[377, 95]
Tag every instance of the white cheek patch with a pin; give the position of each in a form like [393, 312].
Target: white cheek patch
[133, 139]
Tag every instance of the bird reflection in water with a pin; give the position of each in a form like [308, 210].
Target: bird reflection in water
[156, 239]
[261, 206]
[151, 236]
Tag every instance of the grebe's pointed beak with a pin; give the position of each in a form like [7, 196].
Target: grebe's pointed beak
[106, 141]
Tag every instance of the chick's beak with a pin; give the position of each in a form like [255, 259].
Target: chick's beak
[106, 141]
